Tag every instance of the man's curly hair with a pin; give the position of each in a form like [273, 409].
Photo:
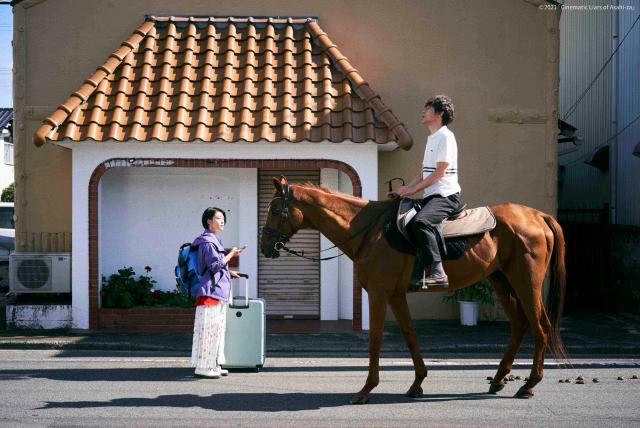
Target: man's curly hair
[442, 104]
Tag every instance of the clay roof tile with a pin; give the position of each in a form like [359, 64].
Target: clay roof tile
[250, 79]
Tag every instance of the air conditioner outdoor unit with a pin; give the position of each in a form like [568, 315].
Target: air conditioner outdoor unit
[40, 272]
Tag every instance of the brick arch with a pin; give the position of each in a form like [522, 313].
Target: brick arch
[99, 171]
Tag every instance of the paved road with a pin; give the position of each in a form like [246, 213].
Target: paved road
[79, 388]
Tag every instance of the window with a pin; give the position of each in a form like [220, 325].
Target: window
[6, 218]
[8, 152]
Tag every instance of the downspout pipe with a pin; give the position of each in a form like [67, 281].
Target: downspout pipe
[615, 101]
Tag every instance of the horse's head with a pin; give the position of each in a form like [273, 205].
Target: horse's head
[283, 219]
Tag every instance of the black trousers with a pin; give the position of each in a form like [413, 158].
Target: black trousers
[435, 209]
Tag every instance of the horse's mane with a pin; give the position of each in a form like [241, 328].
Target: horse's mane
[375, 207]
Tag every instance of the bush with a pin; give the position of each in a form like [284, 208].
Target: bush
[8, 193]
[480, 291]
[123, 290]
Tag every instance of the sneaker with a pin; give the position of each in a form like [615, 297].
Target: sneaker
[207, 373]
[433, 281]
[223, 372]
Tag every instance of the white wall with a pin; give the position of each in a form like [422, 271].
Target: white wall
[329, 273]
[147, 213]
[88, 155]
[345, 265]
[38, 316]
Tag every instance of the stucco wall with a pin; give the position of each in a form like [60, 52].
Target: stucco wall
[497, 59]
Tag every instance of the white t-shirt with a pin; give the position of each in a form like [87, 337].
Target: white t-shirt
[441, 147]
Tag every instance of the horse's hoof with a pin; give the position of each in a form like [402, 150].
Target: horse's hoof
[359, 399]
[414, 392]
[524, 393]
[495, 388]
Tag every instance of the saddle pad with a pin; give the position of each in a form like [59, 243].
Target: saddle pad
[470, 222]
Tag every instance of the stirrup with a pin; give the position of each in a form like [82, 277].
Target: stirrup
[435, 282]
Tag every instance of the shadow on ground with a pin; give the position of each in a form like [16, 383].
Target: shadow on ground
[262, 402]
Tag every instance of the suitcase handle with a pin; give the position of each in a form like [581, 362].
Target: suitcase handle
[246, 293]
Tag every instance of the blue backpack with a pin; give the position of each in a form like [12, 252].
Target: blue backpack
[187, 275]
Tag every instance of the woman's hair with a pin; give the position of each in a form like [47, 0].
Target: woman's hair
[442, 104]
[209, 213]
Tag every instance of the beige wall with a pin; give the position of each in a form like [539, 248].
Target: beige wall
[497, 59]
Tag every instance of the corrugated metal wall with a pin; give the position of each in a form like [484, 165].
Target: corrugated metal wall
[585, 45]
[628, 183]
[586, 42]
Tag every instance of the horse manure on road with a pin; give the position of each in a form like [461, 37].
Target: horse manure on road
[595, 380]
[580, 378]
[620, 377]
[634, 377]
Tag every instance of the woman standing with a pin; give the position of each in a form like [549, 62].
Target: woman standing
[207, 353]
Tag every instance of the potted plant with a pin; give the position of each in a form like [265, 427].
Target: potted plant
[470, 298]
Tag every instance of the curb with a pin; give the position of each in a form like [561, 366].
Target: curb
[291, 351]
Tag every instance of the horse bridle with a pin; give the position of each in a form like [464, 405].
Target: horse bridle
[281, 238]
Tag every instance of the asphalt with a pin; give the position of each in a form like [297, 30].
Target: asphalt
[586, 334]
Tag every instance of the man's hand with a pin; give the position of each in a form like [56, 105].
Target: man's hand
[234, 274]
[402, 192]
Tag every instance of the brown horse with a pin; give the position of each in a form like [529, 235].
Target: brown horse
[514, 256]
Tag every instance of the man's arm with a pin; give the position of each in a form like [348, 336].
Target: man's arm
[416, 179]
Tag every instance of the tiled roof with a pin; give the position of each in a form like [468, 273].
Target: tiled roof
[231, 79]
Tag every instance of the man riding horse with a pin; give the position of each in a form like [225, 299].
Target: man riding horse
[438, 179]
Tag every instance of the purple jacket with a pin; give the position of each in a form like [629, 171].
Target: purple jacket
[216, 280]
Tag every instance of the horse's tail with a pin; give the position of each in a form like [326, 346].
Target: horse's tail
[557, 289]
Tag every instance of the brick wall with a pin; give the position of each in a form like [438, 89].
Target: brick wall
[160, 320]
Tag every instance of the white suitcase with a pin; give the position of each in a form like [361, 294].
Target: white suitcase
[244, 346]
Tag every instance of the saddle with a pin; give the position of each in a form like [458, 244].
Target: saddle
[453, 233]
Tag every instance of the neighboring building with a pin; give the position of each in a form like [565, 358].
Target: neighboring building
[6, 160]
[599, 172]
[193, 111]
[600, 96]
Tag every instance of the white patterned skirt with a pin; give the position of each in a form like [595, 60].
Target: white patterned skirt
[209, 329]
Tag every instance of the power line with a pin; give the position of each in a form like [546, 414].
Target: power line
[572, 109]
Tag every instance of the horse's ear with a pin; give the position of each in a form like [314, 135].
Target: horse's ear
[278, 185]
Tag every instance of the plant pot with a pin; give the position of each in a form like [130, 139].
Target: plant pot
[469, 312]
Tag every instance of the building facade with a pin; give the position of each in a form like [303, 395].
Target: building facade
[504, 88]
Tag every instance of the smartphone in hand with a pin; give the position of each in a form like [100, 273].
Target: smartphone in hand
[242, 248]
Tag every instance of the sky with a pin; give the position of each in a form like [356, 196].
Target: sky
[6, 56]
